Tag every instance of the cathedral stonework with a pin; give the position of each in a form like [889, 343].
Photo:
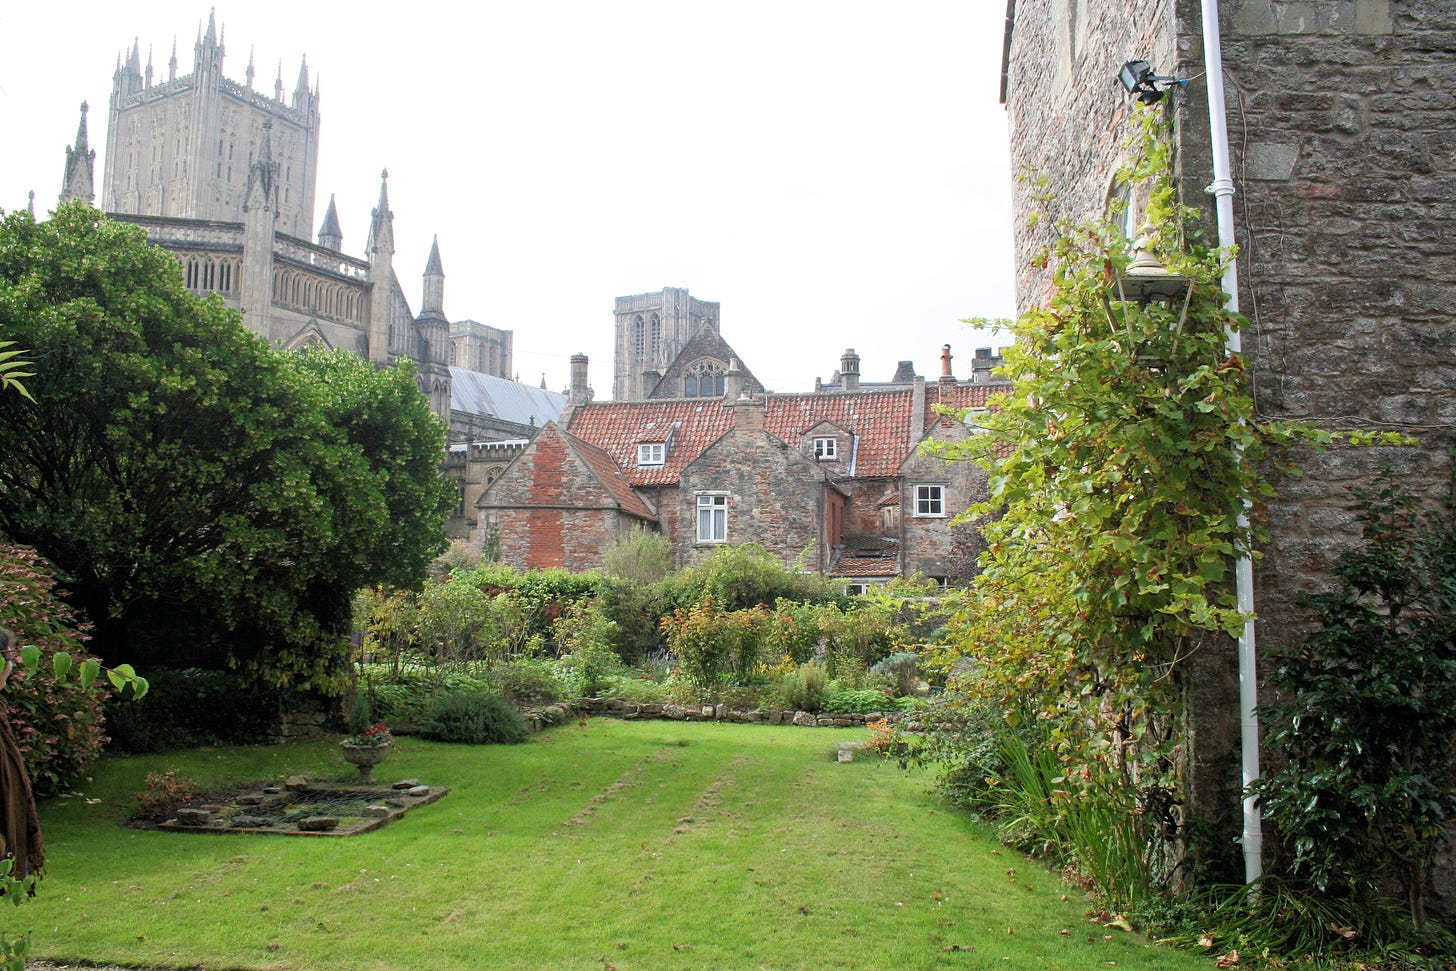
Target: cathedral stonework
[224, 177]
[184, 147]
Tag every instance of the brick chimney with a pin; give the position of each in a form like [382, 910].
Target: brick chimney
[747, 417]
[917, 410]
[578, 393]
[985, 360]
[946, 377]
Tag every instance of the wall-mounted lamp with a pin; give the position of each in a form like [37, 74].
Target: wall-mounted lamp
[1146, 279]
[1138, 78]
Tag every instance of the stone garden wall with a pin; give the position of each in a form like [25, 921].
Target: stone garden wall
[548, 715]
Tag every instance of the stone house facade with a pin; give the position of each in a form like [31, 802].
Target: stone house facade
[830, 482]
[1341, 121]
[560, 503]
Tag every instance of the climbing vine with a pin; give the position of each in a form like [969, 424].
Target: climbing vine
[1120, 464]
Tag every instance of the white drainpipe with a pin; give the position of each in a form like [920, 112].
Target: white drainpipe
[1223, 193]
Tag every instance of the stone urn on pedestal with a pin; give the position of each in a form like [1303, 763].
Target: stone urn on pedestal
[366, 750]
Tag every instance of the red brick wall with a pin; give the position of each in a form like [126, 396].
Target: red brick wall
[551, 510]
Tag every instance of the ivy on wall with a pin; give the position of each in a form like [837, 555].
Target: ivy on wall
[1120, 464]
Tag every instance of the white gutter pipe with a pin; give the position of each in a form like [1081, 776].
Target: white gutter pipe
[1223, 194]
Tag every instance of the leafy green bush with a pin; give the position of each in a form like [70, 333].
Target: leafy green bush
[855, 634]
[715, 645]
[859, 636]
[590, 669]
[529, 681]
[642, 557]
[1364, 714]
[802, 688]
[387, 620]
[860, 701]
[459, 623]
[795, 631]
[397, 696]
[459, 555]
[584, 635]
[635, 611]
[402, 695]
[901, 669]
[474, 717]
[742, 577]
[492, 611]
[58, 726]
[959, 737]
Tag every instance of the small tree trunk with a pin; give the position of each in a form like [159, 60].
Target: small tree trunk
[1419, 870]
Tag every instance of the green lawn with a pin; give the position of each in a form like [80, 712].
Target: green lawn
[627, 845]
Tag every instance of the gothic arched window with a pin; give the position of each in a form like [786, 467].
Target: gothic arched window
[703, 380]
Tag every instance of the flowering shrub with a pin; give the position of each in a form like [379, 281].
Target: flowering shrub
[163, 793]
[883, 741]
[716, 645]
[371, 737]
[58, 726]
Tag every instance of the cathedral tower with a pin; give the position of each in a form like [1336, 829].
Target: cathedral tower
[652, 329]
[184, 147]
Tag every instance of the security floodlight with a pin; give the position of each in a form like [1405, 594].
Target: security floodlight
[1137, 78]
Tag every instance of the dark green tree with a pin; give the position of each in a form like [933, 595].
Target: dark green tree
[1363, 717]
[209, 499]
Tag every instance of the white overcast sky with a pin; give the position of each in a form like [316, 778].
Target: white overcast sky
[833, 172]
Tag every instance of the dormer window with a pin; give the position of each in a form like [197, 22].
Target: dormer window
[651, 454]
[826, 449]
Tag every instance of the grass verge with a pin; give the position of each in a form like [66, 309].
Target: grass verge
[626, 845]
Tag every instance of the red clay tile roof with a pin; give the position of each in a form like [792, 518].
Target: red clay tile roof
[687, 425]
[880, 421]
[956, 398]
[606, 471]
[865, 566]
[867, 556]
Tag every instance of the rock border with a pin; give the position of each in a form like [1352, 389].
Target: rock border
[547, 715]
[394, 801]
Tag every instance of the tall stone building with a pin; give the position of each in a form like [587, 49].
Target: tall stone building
[1340, 124]
[184, 147]
[223, 176]
[481, 347]
[669, 346]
